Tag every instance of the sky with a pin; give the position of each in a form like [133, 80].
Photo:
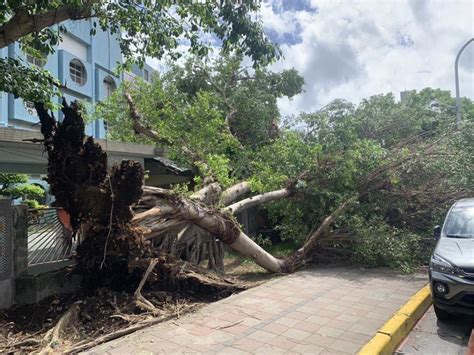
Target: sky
[355, 49]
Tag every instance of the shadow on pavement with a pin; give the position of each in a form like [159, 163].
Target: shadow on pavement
[456, 330]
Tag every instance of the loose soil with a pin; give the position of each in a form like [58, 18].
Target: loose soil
[25, 329]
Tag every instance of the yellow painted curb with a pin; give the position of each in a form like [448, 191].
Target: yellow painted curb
[387, 338]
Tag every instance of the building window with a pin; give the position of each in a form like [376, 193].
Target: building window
[35, 55]
[146, 75]
[109, 86]
[39, 62]
[77, 71]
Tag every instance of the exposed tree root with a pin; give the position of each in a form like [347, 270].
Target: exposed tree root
[186, 277]
[141, 301]
[118, 334]
[53, 336]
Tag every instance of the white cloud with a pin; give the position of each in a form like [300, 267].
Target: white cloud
[355, 49]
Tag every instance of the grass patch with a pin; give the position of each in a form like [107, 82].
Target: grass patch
[245, 268]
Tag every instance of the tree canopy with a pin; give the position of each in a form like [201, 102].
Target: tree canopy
[213, 116]
[397, 157]
[145, 29]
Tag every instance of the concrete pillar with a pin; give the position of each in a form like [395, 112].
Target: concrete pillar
[6, 253]
[20, 240]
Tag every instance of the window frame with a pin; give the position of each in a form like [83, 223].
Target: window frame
[109, 85]
[77, 72]
[39, 62]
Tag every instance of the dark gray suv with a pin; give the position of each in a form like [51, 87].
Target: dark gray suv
[452, 262]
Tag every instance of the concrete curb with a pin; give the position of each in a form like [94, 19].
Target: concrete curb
[387, 338]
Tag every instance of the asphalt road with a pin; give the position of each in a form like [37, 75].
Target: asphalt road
[430, 336]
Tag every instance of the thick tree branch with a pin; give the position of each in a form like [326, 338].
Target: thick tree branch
[145, 131]
[232, 111]
[258, 200]
[23, 23]
[242, 188]
[234, 192]
[209, 194]
[138, 125]
[313, 238]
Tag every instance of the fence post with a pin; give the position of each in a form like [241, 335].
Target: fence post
[20, 240]
[6, 253]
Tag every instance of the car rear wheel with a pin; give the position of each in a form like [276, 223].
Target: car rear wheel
[441, 314]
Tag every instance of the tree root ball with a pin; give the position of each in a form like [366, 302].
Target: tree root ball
[97, 199]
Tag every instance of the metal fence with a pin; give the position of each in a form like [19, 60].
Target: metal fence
[49, 238]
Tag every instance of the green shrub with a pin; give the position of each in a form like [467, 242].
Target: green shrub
[16, 186]
[378, 244]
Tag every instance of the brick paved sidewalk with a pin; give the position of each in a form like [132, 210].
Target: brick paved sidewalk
[320, 311]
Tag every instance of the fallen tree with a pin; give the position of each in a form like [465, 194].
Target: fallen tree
[124, 224]
[115, 241]
[136, 237]
[113, 249]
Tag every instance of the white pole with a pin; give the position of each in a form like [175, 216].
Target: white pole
[456, 77]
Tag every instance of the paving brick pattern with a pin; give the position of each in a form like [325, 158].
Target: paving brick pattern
[318, 311]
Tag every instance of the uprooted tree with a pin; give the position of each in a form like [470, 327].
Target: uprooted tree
[219, 118]
[223, 120]
[119, 244]
[346, 160]
[99, 201]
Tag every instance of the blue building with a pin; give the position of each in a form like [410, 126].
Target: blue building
[84, 64]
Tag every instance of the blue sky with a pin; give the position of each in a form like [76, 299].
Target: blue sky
[355, 49]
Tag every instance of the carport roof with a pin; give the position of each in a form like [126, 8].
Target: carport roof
[171, 166]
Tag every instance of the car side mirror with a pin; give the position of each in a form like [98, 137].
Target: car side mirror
[437, 232]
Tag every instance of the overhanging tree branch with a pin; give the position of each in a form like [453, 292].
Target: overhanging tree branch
[138, 125]
[23, 23]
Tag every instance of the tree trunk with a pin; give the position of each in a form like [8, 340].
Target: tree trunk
[247, 247]
[171, 207]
